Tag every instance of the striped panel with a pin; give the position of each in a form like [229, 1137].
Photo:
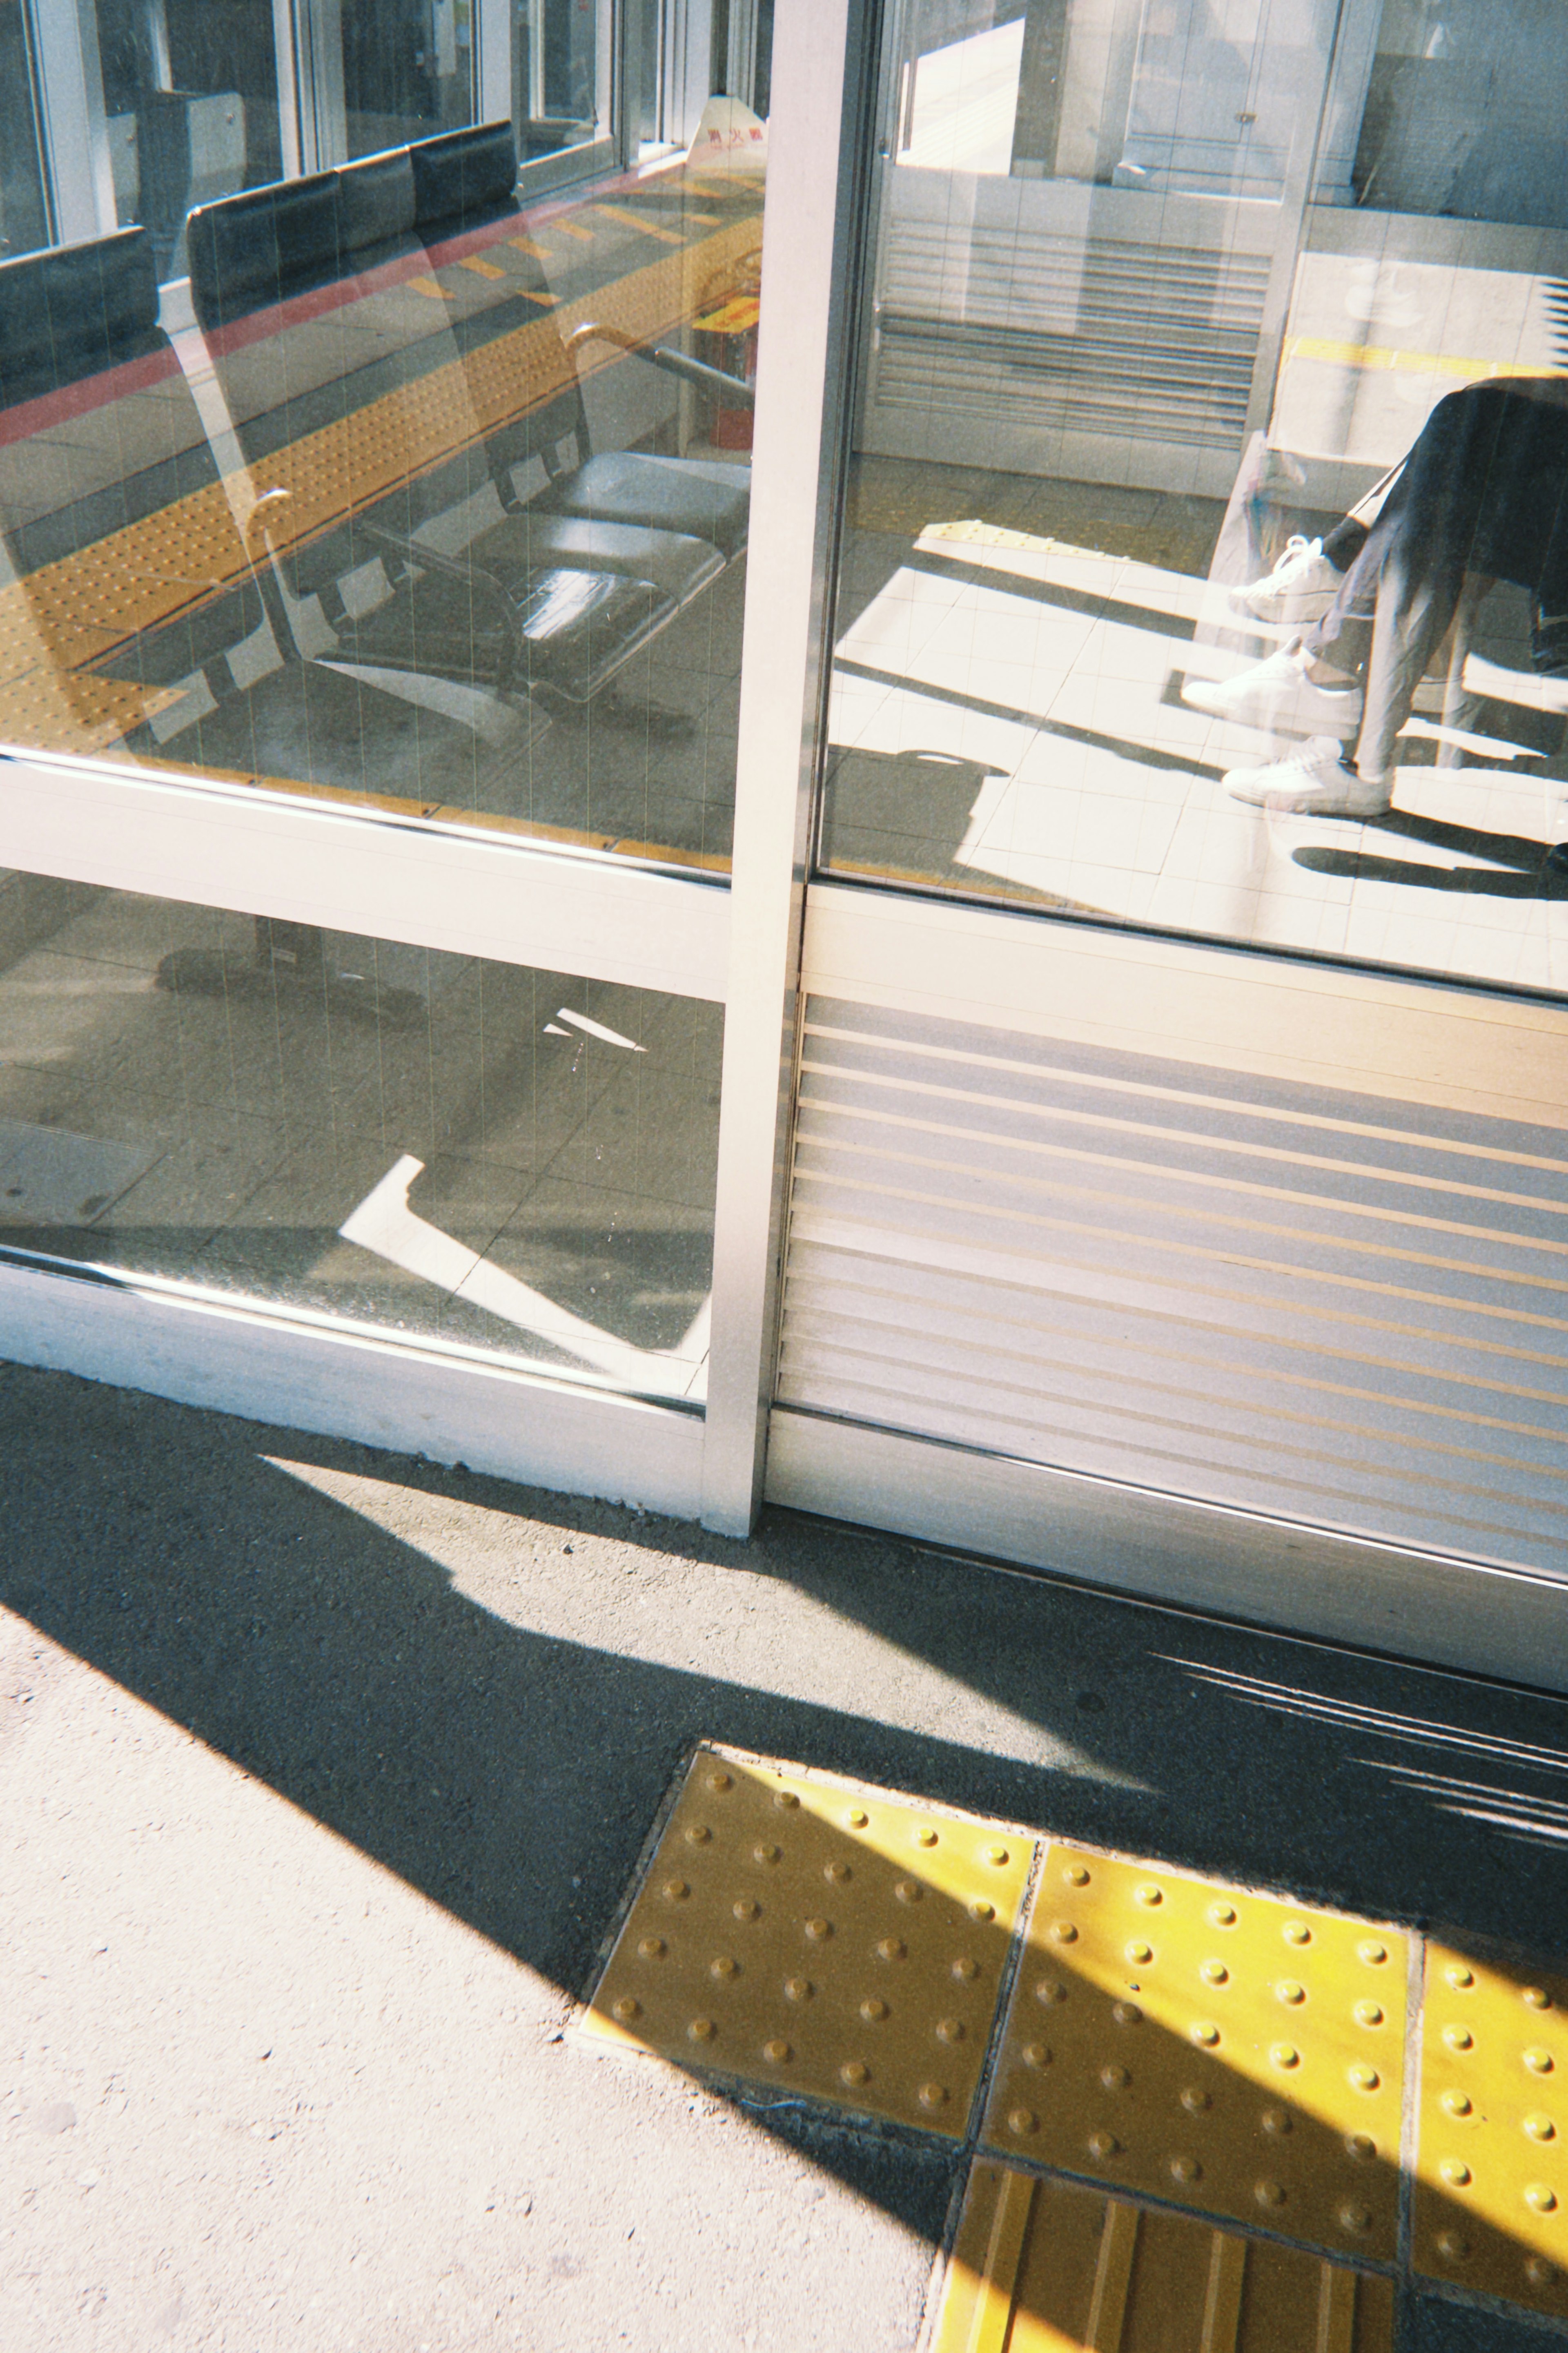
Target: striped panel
[1044, 2266]
[1153, 341]
[1343, 1308]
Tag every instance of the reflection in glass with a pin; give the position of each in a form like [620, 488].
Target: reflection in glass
[24, 221]
[1464, 111]
[441, 500]
[190, 91]
[407, 69]
[505, 1161]
[560, 78]
[1124, 434]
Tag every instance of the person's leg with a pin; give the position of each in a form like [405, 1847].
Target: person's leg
[1344, 542]
[1307, 572]
[1367, 655]
[1399, 596]
[1468, 495]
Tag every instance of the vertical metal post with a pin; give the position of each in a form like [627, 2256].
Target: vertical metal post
[689, 67]
[324, 119]
[741, 51]
[288, 87]
[822, 50]
[493, 95]
[626, 98]
[75, 134]
[156, 17]
[606, 68]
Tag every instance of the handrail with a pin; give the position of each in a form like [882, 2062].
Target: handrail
[712, 380]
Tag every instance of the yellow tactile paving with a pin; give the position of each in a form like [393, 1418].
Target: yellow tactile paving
[1167, 2038]
[1491, 2184]
[814, 1938]
[1188, 2039]
[1046, 2266]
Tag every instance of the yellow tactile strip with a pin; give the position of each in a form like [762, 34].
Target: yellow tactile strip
[1040, 2267]
[1491, 2180]
[1183, 2038]
[799, 1932]
[1164, 2037]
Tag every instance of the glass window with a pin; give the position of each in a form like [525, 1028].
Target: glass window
[561, 80]
[24, 217]
[1206, 551]
[407, 69]
[1464, 112]
[432, 500]
[189, 94]
[511, 1162]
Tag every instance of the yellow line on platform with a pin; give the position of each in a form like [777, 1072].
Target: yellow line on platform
[1385, 358]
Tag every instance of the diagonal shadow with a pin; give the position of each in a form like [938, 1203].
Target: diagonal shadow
[1093, 605]
[503, 1749]
[1146, 755]
[1544, 882]
[1536, 875]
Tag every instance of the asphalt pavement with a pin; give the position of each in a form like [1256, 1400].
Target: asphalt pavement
[323, 1773]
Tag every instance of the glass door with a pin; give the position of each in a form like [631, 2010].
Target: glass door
[1181, 1133]
[191, 108]
[1086, 214]
[24, 210]
[369, 676]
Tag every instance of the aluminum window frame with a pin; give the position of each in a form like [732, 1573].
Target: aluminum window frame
[732, 938]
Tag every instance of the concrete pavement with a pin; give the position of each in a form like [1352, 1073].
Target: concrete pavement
[323, 1773]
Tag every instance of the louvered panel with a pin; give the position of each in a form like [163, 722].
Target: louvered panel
[1342, 1308]
[1275, 1457]
[1101, 336]
[837, 1300]
[1006, 277]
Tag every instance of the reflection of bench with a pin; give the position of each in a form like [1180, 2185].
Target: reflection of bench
[407, 457]
[136, 620]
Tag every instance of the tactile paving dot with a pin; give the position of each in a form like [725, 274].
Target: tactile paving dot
[1491, 2173]
[1217, 2048]
[820, 1939]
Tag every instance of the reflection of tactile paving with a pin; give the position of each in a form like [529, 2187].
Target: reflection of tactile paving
[818, 1939]
[1211, 2046]
[1491, 2194]
[1043, 2266]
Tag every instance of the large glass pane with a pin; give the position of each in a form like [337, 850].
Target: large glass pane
[1464, 113]
[440, 501]
[1162, 299]
[408, 70]
[561, 78]
[511, 1162]
[24, 220]
[190, 91]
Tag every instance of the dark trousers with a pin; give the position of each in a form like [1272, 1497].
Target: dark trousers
[1484, 491]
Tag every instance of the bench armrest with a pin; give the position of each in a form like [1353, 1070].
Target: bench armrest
[712, 380]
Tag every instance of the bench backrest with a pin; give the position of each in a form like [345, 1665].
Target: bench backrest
[370, 392]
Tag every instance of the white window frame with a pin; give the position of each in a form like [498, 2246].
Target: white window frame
[465, 890]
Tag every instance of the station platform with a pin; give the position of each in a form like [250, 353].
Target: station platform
[1056, 1971]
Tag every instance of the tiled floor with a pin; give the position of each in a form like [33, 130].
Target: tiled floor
[1008, 719]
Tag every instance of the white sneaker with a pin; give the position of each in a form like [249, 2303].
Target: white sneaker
[1317, 781]
[1301, 586]
[1278, 694]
